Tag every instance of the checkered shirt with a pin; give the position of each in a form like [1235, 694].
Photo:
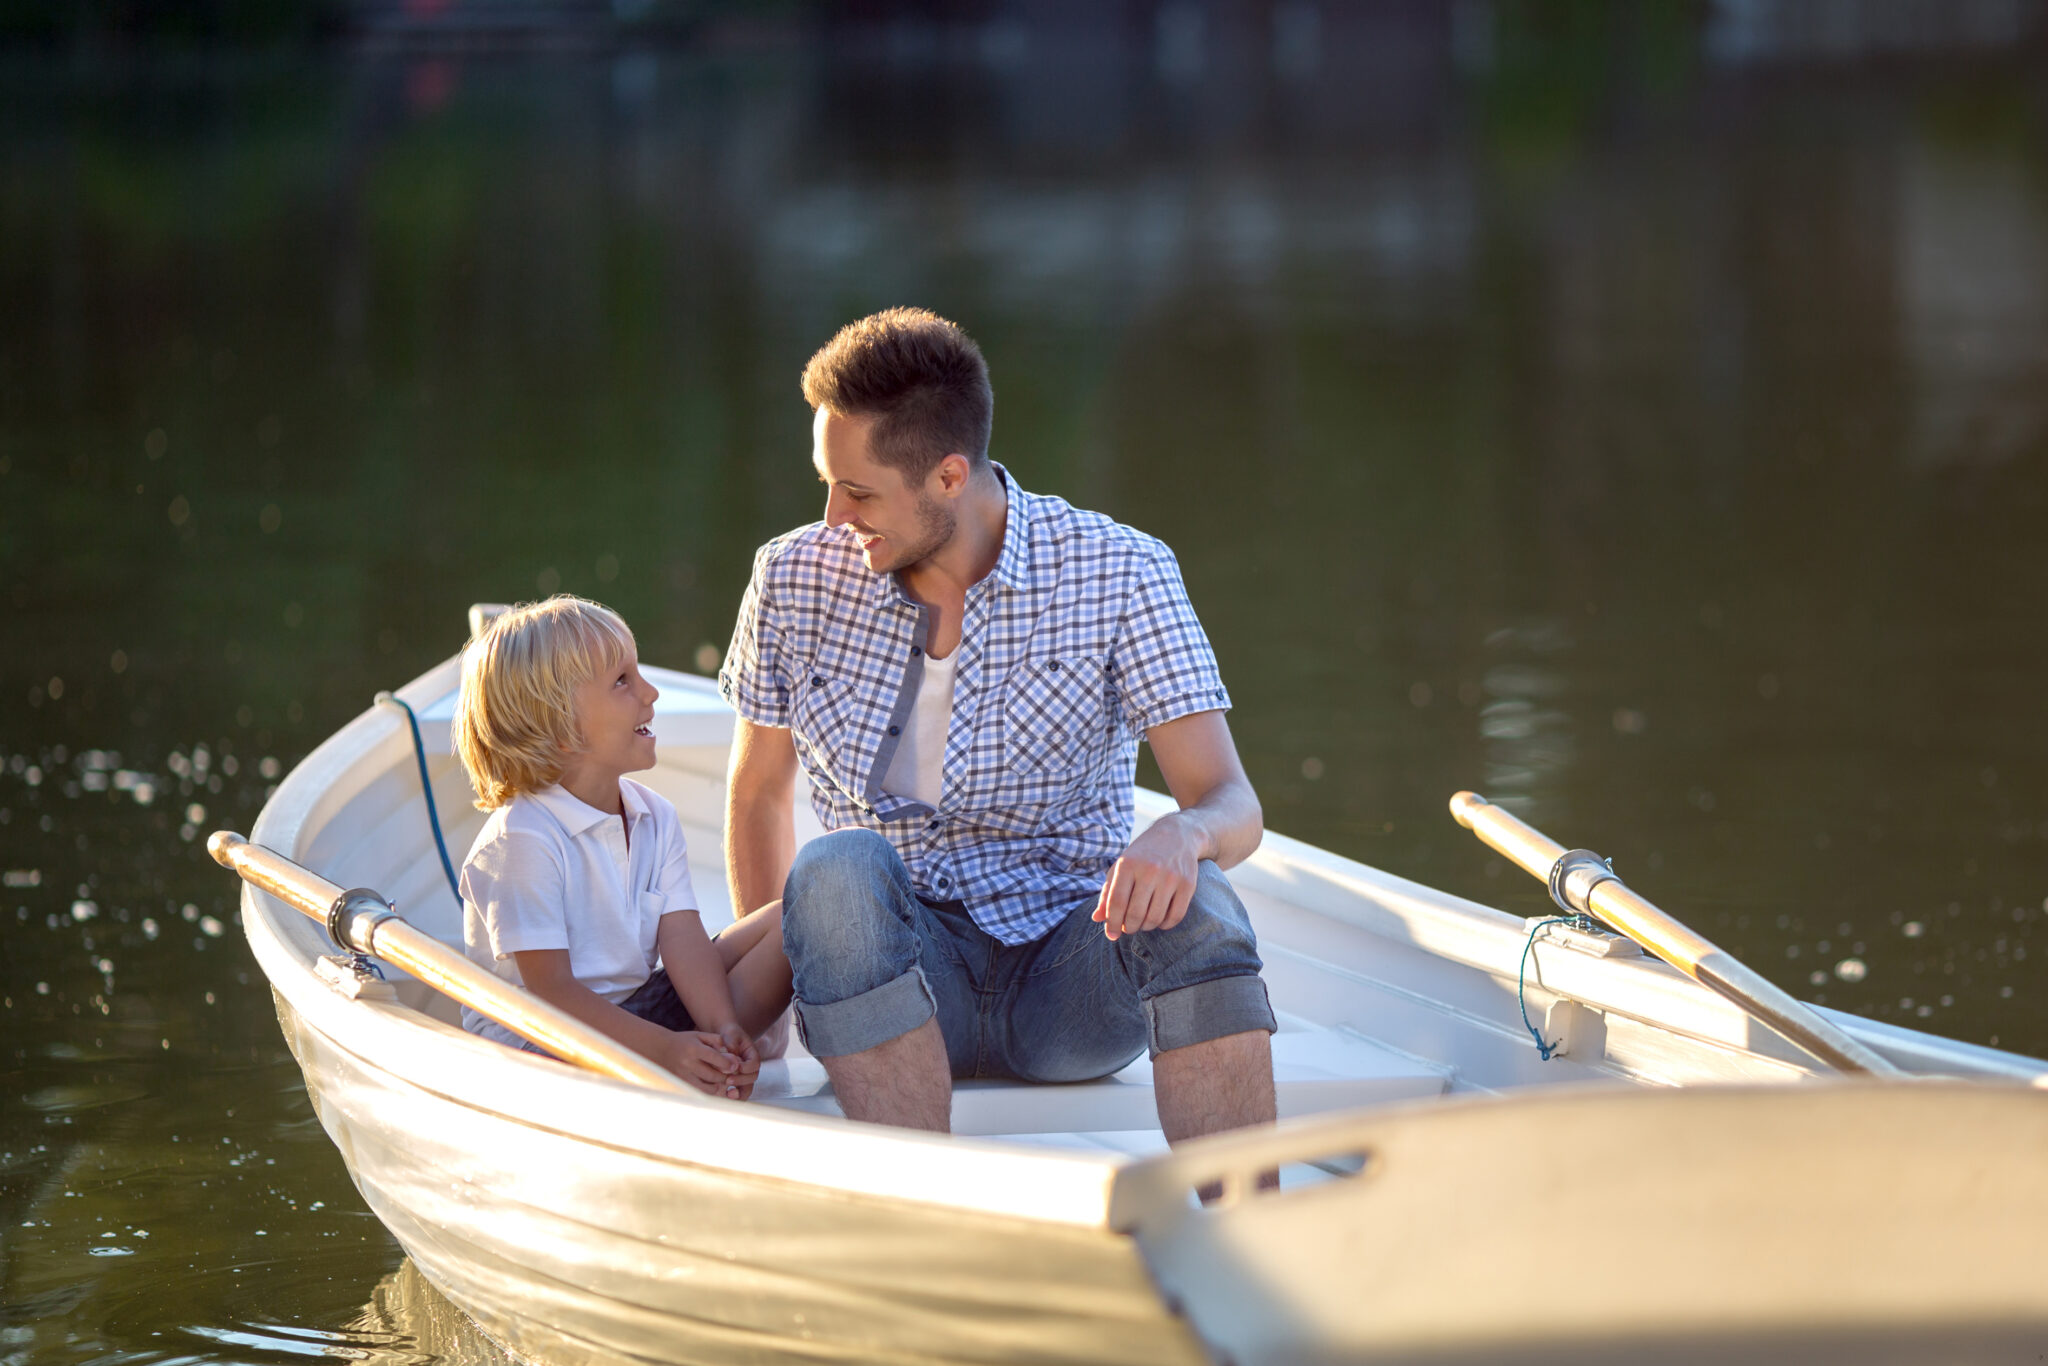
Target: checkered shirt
[1080, 641]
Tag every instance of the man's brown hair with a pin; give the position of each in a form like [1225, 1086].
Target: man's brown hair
[919, 376]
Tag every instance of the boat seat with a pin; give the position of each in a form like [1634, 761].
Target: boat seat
[1314, 1070]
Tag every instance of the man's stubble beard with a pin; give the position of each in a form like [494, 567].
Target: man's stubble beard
[936, 524]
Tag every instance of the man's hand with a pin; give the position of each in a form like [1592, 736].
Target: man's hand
[1151, 885]
[1149, 888]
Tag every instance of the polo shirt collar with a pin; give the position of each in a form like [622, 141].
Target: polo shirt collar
[579, 817]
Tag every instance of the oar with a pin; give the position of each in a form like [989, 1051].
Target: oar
[361, 921]
[1581, 881]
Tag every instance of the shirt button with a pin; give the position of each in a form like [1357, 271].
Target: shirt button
[895, 730]
[1053, 667]
[817, 680]
[915, 651]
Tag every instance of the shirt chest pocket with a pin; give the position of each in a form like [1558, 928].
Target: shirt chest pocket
[1056, 714]
[826, 723]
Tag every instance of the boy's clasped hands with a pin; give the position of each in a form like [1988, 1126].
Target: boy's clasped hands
[724, 1063]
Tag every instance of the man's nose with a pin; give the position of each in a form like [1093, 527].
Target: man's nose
[836, 511]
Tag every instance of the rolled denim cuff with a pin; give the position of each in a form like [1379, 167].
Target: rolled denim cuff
[1205, 1011]
[835, 1028]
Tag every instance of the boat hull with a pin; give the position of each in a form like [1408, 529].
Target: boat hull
[574, 1252]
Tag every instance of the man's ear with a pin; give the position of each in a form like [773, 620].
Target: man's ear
[954, 471]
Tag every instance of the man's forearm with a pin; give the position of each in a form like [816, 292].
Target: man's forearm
[1226, 825]
[760, 844]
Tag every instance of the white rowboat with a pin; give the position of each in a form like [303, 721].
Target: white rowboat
[1678, 1183]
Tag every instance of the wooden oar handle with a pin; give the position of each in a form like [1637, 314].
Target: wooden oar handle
[1532, 850]
[367, 923]
[1610, 899]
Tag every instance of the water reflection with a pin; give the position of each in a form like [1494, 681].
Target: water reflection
[409, 1321]
[1529, 733]
[1974, 288]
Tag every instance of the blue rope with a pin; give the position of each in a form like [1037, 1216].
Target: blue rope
[1542, 1048]
[419, 752]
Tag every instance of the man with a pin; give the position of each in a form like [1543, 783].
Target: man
[964, 670]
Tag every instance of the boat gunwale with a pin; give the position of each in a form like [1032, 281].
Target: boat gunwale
[1655, 994]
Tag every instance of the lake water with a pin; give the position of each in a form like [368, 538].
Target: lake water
[1643, 423]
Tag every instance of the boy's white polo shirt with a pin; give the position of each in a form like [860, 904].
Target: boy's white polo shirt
[550, 871]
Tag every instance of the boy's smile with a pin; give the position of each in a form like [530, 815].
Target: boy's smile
[615, 718]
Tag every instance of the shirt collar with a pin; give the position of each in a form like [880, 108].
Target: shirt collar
[1012, 562]
[1015, 559]
[579, 817]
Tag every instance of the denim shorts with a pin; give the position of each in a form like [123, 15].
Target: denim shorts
[654, 1001]
[874, 960]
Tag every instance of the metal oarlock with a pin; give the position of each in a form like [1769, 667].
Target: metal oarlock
[349, 933]
[1574, 876]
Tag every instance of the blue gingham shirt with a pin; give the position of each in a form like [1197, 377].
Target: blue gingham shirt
[1080, 641]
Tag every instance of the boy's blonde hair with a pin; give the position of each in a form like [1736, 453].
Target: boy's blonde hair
[515, 718]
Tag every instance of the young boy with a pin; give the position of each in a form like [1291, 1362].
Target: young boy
[578, 887]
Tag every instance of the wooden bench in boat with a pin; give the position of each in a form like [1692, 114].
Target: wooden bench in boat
[1314, 1070]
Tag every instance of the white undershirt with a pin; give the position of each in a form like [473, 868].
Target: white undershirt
[917, 770]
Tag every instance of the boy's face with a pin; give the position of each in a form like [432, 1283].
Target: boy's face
[615, 715]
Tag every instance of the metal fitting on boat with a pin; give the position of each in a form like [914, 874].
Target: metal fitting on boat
[353, 918]
[1574, 876]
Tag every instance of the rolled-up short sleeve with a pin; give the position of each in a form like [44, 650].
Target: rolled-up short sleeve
[754, 679]
[519, 888]
[1165, 668]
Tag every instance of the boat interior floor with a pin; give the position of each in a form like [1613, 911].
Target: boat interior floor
[1315, 1069]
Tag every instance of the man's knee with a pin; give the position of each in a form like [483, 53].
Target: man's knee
[843, 863]
[1215, 930]
[839, 902]
[1201, 978]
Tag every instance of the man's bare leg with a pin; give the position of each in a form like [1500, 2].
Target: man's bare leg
[1220, 1084]
[905, 1082]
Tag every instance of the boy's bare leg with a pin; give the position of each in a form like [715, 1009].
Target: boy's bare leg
[736, 940]
[757, 973]
[772, 1040]
[1219, 1084]
[906, 1081]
